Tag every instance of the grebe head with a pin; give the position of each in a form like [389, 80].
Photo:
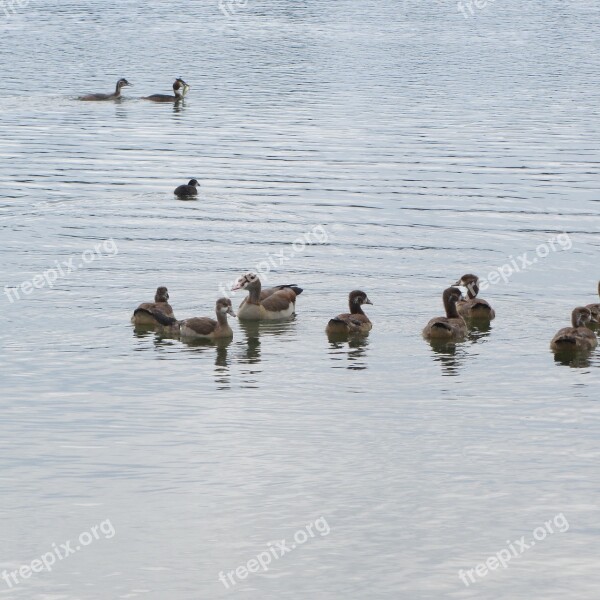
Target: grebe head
[123, 83]
[193, 182]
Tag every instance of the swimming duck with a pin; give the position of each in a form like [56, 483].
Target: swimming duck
[595, 308]
[274, 303]
[187, 190]
[116, 94]
[145, 313]
[473, 307]
[450, 327]
[201, 328]
[180, 89]
[578, 336]
[355, 321]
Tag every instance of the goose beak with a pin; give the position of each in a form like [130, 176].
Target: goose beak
[459, 282]
[367, 301]
[236, 287]
[231, 312]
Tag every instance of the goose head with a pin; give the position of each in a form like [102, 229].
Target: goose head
[358, 298]
[247, 281]
[224, 307]
[581, 316]
[471, 282]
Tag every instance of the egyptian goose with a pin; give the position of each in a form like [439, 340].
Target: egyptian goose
[450, 327]
[578, 336]
[201, 328]
[274, 303]
[473, 307]
[144, 314]
[355, 321]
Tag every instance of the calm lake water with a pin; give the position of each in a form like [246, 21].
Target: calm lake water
[426, 143]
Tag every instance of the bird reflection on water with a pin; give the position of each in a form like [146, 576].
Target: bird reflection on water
[351, 347]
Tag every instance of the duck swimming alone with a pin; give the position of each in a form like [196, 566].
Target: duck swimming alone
[180, 89]
[450, 327]
[145, 313]
[354, 322]
[473, 307]
[578, 336]
[201, 328]
[116, 94]
[187, 190]
[278, 302]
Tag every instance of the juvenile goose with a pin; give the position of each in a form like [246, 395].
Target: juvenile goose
[202, 328]
[187, 190]
[473, 307]
[595, 308]
[450, 327]
[278, 303]
[180, 89]
[116, 94]
[355, 321]
[577, 337]
[145, 313]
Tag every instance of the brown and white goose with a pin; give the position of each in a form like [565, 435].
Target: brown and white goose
[578, 336]
[473, 307]
[201, 328]
[595, 308]
[355, 321]
[266, 305]
[145, 313]
[450, 327]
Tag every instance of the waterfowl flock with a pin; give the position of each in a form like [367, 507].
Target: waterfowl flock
[279, 303]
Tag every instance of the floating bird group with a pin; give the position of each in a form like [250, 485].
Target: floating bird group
[180, 89]
[270, 304]
[463, 310]
[279, 302]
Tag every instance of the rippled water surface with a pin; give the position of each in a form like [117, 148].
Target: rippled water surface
[419, 144]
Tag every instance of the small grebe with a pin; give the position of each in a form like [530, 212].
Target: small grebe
[116, 94]
[187, 190]
[354, 322]
[180, 89]
[450, 327]
[578, 336]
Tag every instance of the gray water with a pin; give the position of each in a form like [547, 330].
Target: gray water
[425, 144]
